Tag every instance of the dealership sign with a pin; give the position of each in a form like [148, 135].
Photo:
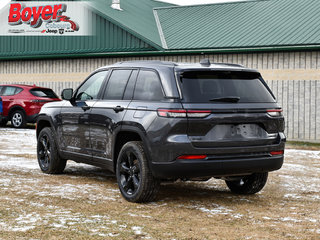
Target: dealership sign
[45, 19]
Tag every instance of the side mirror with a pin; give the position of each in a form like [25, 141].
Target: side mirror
[67, 94]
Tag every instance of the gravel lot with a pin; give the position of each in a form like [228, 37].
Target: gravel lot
[84, 203]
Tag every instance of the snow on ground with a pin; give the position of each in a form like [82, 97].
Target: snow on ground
[18, 151]
[299, 180]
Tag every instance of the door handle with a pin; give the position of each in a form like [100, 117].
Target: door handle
[118, 109]
[85, 108]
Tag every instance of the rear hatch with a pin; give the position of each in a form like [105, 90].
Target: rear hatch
[229, 109]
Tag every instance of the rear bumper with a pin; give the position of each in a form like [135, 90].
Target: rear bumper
[220, 161]
[216, 168]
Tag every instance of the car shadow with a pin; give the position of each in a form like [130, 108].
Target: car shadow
[180, 191]
[28, 126]
[84, 170]
[175, 192]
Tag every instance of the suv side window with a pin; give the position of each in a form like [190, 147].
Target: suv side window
[128, 93]
[116, 84]
[148, 87]
[90, 89]
[10, 91]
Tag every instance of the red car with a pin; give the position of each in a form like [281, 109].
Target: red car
[22, 103]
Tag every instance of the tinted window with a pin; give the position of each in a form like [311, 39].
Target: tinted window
[90, 89]
[10, 91]
[205, 86]
[148, 87]
[46, 93]
[128, 93]
[116, 84]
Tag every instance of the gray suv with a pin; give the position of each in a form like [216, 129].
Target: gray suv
[153, 121]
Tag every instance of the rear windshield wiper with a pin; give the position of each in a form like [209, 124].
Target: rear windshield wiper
[225, 99]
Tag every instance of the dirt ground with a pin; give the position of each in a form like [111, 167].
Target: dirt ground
[84, 203]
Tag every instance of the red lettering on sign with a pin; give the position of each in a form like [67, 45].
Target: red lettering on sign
[26, 14]
[56, 10]
[14, 13]
[34, 15]
[47, 13]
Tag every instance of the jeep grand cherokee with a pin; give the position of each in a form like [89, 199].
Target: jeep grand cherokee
[152, 121]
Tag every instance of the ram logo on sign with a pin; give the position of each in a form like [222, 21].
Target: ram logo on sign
[46, 19]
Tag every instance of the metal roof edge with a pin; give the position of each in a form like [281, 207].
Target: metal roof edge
[206, 4]
[161, 34]
[166, 52]
[129, 30]
[256, 49]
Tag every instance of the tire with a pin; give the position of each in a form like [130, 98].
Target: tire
[3, 123]
[18, 119]
[48, 156]
[248, 184]
[135, 180]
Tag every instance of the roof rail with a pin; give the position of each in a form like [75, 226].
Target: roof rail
[230, 64]
[148, 62]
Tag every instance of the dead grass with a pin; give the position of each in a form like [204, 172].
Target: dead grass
[303, 145]
[183, 211]
[84, 203]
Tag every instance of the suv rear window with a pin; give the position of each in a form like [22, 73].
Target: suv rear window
[210, 86]
[40, 92]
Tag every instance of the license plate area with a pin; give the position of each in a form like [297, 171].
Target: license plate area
[231, 132]
[245, 131]
[234, 135]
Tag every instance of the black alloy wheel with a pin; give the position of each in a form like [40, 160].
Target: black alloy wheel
[48, 156]
[135, 179]
[44, 152]
[130, 173]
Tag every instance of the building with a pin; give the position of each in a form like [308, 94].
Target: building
[280, 38]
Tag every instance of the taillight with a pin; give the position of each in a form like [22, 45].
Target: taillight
[172, 113]
[190, 157]
[277, 153]
[181, 113]
[274, 112]
[198, 113]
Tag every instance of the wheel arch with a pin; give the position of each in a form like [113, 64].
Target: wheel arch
[15, 108]
[124, 135]
[42, 122]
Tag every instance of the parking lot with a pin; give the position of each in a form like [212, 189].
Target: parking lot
[85, 203]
